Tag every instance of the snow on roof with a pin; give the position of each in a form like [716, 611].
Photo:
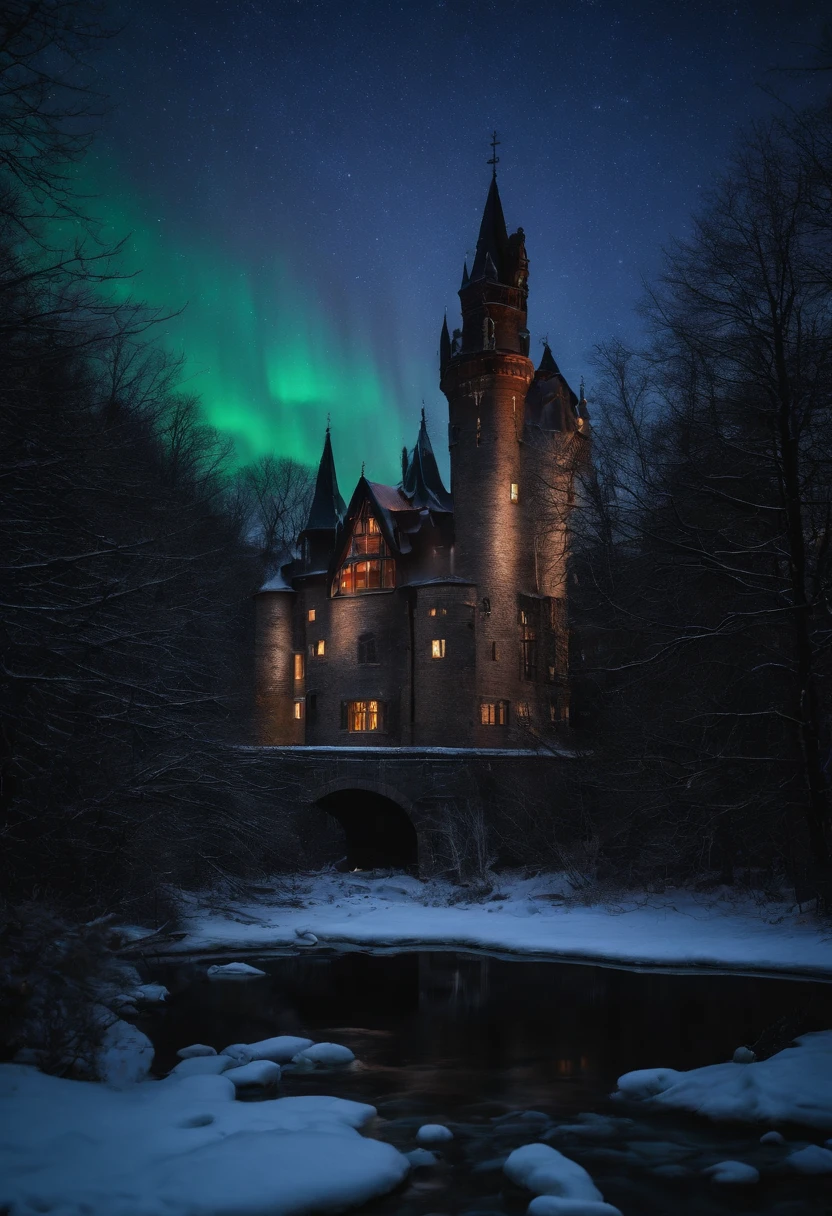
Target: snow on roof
[276, 583]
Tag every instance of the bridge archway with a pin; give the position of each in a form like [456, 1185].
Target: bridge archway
[378, 830]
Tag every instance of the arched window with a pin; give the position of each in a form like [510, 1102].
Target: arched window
[368, 566]
[367, 649]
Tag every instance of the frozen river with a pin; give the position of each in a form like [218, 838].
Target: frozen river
[477, 1042]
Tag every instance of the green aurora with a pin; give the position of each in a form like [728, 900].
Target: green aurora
[266, 360]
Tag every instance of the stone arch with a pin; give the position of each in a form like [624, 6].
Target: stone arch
[377, 823]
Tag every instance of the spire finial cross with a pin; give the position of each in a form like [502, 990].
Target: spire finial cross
[495, 160]
[328, 421]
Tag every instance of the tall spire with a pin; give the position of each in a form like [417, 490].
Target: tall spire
[493, 238]
[444, 346]
[328, 507]
[421, 482]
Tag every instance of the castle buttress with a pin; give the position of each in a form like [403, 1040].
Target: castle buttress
[414, 616]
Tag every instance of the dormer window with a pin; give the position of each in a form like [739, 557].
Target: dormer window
[368, 565]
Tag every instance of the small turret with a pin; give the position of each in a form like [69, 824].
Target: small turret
[325, 515]
[465, 277]
[421, 480]
[444, 346]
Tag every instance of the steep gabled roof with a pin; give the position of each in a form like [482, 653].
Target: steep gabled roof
[328, 506]
[422, 482]
[493, 239]
[550, 402]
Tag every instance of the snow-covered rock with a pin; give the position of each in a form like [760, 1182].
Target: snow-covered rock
[182, 1147]
[125, 1055]
[552, 1205]
[259, 1074]
[150, 994]
[811, 1160]
[434, 1133]
[240, 1053]
[202, 1066]
[234, 971]
[281, 1048]
[421, 1156]
[772, 1138]
[196, 1049]
[732, 1172]
[744, 1055]
[562, 1187]
[793, 1086]
[324, 1055]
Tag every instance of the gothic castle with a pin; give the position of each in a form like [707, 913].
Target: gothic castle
[420, 617]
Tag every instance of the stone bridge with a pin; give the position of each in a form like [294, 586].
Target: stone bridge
[423, 809]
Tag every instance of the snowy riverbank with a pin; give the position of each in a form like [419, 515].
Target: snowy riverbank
[522, 916]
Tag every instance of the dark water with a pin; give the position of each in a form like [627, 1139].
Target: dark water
[473, 1042]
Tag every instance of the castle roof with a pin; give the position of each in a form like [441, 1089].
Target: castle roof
[422, 482]
[493, 239]
[328, 506]
[550, 402]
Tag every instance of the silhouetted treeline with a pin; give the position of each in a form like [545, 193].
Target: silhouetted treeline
[702, 564]
[129, 549]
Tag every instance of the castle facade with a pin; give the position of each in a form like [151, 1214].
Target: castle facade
[421, 617]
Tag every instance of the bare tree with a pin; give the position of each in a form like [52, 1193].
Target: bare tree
[278, 494]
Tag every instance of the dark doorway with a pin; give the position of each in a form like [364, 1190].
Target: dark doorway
[379, 833]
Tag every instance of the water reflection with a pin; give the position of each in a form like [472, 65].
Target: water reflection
[472, 1040]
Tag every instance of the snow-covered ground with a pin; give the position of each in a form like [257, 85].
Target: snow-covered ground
[182, 1147]
[793, 1086]
[527, 916]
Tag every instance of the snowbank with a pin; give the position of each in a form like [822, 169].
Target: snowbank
[793, 1086]
[563, 1187]
[125, 1055]
[182, 1146]
[281, 1048]
[327, 1055]
[527, 917]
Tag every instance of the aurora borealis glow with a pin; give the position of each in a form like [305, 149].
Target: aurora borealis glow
[307, 177]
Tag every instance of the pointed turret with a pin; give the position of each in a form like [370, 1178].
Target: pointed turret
[547, 366]
[550, 402]
[328, 506]
[465, 276]
[493, 238]
[422, 483]
[444, 346]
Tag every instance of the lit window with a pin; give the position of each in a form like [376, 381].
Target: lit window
[298, 708]
[317, 650]
[311, 614]
[298, 666]
[437, 611]
[515, 492]
[522, 711]
[551, 673]
[363, 716]
[495, 654]
[368, 565]
[494, 713]
[437, 648]
[479, 432]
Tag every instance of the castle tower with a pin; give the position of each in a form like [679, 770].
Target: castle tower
[485, 380]
[515, 434]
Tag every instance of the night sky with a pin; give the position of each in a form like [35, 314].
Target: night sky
[308, 177]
